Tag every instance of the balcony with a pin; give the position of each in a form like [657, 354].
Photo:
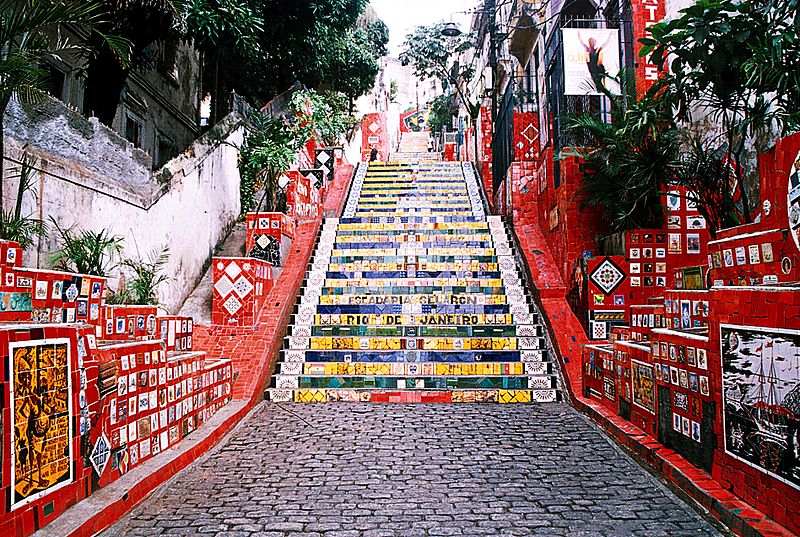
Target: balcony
[523, 26]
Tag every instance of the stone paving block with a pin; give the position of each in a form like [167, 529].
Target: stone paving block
[391, 470]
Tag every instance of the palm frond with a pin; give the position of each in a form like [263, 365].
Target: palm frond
[22, 230]
[86, 251]
[147, 276]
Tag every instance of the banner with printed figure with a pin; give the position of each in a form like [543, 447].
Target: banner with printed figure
[41, 429]
[591, 59]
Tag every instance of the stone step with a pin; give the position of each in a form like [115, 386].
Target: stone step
[438, 382]
[411, 342]
[412, 356]
[414, 396]
[415, 369]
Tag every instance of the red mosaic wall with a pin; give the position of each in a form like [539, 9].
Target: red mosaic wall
[241, 285]
[302, 197]
[763, 252]
[526, 136]
[127, 403]
[643, 318]
[46, 296]
[777, 309]
[374, 132]
[125, 322]
[176, 332]
[570, 231]
[410, 121]
[449, 153]
[276, 225]
[645, 14]
[485, 148]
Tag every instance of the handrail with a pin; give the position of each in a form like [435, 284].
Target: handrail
[340, 210]
[527, 278]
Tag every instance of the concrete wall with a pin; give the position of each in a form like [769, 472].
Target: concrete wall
[91, 178]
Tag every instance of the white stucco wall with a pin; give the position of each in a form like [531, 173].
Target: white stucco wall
[189, 208]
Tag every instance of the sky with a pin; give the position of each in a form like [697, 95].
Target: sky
[403, 15]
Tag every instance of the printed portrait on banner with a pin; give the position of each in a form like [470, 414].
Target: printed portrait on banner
[591, 60]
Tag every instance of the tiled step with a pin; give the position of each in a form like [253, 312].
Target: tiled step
[411, 356]
[415, 368]
[415, 396]
[423, 331]
[415, 343]
[437, 382]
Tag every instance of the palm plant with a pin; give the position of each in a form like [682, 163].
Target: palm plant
[24, 48]
[629, 160]
[14, 226]
[86, 251]
[146, 276]
[267, 151]
[707, 173]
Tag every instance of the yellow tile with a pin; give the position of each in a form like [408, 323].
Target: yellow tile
[514, 396]
[309, 396]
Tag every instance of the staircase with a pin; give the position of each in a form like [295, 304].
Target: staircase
[414, 295]
[413, 147]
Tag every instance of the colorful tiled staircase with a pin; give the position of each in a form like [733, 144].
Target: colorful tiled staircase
[414, 295]
[413, 147]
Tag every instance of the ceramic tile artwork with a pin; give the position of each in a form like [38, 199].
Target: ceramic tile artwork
[607, 276]
[414, 293]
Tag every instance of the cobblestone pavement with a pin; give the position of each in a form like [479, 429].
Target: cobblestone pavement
[337, 470]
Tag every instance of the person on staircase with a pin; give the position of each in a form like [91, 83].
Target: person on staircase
[430, 145]
[373, 154]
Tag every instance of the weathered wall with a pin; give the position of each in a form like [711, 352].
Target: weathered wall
[90, 178]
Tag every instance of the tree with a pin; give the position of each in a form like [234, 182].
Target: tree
[146, 275]
[441, 110]
[629, 160]
[14, 226]
[433, 55]
[24, 48]
[315, 42]
[272, 143]
[736, 62]
[86, 252]
[350, 66]
[705, 172]
[221, 29]
[142, 23]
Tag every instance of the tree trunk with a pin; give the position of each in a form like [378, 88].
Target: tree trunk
[2, 157]
[24, 174]
[215, 96]
[3, 107]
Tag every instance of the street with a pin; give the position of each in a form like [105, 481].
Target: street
[339, 470]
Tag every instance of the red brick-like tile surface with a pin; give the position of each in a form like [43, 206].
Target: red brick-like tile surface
[568, 338]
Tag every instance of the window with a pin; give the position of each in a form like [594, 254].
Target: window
[133, 129]
[164, 151]
[54, 81]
